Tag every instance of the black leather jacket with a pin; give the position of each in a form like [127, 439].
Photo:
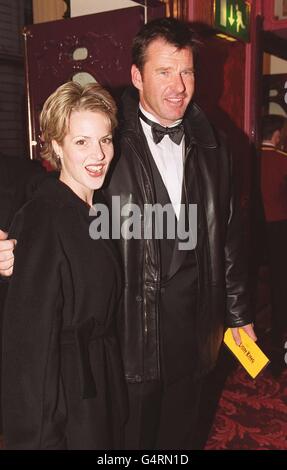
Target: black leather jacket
[222, 291]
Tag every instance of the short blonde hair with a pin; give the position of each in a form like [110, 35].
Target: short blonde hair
[57, 109]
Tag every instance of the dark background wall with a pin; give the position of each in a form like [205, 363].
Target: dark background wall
[13, 15]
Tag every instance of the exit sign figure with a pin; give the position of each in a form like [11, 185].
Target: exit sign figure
[233, 18]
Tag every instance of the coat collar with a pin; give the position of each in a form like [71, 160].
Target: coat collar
[62, 197]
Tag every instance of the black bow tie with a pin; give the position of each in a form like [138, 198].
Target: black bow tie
[158, 132]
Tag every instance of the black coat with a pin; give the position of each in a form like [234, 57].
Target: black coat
[63, 385]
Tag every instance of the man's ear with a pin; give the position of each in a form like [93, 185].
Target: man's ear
[136, 77]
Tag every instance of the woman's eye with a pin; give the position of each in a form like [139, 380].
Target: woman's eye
[107, 140]
[80, 142]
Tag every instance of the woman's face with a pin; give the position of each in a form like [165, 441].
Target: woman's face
[86, 152]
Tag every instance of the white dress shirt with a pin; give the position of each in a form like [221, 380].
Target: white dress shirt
[168, 157]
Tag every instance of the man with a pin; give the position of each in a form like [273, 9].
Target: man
[176, 301]
[18, 179]
[274, 197]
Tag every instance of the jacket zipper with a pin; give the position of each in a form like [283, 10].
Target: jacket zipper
[157, 254]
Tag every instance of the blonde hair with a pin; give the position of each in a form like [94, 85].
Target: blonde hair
[57, 109]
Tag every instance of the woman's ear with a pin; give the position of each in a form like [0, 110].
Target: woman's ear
[57, 149]
[136, 77]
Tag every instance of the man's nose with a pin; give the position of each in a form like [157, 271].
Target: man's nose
[179, 83]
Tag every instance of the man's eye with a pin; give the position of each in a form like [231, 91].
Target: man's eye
[188, 73]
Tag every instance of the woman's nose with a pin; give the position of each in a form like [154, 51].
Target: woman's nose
[98, 153]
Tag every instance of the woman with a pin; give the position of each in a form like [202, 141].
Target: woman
[63, 385]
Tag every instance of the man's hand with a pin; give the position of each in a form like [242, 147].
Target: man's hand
[6, 254]
[248, 329]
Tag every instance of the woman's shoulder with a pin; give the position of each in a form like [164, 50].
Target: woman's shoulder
[54, 207]
[36, 216]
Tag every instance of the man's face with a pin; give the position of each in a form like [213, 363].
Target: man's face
[166, 84]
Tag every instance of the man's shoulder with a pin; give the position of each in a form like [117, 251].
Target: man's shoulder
[17, 166]
[20, 174]
[19, 177]
[282, 153]
[201, 128]
[270, 150]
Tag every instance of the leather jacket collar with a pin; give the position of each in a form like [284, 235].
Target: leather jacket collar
[201, 131]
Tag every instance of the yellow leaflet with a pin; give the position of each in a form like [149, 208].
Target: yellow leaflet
[248, 353]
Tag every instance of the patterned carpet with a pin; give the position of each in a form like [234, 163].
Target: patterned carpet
[249, 414]
[252, 414]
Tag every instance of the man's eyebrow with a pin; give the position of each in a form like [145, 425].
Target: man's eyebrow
[163, 68]
[158, 69]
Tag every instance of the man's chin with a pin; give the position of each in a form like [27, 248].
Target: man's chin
[175, 114]
[175, 117]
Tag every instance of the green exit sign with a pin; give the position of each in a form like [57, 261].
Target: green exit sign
[233, 18]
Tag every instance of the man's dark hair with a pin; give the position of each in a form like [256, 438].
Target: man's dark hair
[176, 32]
[270, 124]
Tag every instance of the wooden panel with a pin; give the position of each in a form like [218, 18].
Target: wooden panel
[271, 21]
[90, 7]
[274, 44]
[48, 10]
[201, 11]
[176, 8]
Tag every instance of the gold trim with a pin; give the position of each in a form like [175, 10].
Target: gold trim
[27, 33]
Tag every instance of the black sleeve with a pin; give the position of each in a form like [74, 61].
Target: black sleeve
[238, 305]
[31, 336]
